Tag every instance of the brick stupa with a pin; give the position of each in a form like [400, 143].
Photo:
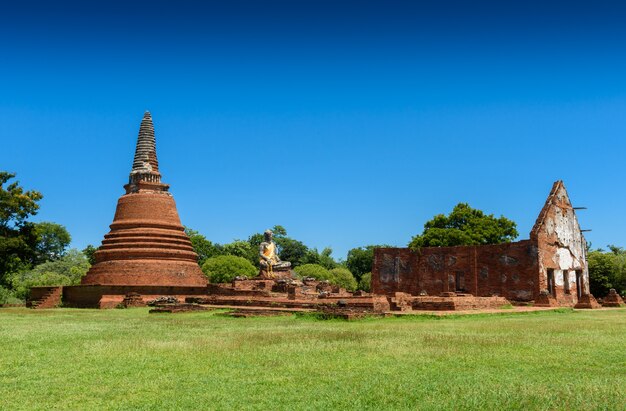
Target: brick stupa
[147, 245]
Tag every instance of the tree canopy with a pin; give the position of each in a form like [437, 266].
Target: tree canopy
[465, 226]
[16, 205]
[360, 260]
[607, 269]
[52, 241]
[18, 238]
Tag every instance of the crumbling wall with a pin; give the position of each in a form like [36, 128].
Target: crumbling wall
[562, 248]
[508, 270]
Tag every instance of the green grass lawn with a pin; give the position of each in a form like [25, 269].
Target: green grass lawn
[129, 359]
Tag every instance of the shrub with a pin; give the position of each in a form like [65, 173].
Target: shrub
[225, 268]
[343, 278]
[8, 297]
[366, 282]
[313, 270]
[68, 270]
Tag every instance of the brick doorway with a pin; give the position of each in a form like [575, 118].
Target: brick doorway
[551, 285]
[460, 281]
[579, 284]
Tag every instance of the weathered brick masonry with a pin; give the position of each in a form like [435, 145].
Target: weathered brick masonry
[147, 250]
[147, 244]
[553, 259]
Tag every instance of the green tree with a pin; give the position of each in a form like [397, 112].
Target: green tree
[17, 235]
[52, 241]
[360, 260]
[89, 252]
[203, 247]
[291, 250]
[465, 226]
[365, 283]
[607, 269]
[67, 270]
[279, 231]
[242, 248]
[343, 278]
[324, 258]
[224, 268]
[619, 278]
[600, 272]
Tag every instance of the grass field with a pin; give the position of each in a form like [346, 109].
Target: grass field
[129, 359]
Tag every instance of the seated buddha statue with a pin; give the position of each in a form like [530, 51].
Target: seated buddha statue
[269, 260]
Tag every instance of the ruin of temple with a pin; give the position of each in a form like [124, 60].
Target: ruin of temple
[550, 268]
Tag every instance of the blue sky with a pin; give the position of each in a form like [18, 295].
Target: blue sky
[349, 123]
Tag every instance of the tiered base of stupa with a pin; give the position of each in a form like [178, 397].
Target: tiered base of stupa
[146, 252]
[144, 272]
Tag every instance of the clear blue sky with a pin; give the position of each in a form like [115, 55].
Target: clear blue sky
[349, 123]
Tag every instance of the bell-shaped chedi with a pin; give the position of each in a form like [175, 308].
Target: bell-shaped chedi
[147, 244]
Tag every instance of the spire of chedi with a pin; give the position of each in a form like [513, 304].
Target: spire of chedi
[147, 244]
[145, 172]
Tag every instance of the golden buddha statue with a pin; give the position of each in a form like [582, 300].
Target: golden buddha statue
[269, 259]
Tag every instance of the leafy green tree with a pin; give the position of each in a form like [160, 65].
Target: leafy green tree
[224, 268]
[242, 248]
[203, 247]
[619, 280]
[324, 258]
[465, 226]
[16, 205]
[343, 278]
[17, 235]
[291, 250]
[52, 241]
[279, 231]
[360, 260]
[365, 283]
[67, 270]
[89, 252]
[600, 272]
[607, 270]
[255, 241]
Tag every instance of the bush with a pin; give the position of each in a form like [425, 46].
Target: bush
[8, 297]
[337, 276]
[366, 282]
[607, 269]
[68, 270]
[343, 278]
[313, 270]
[224, 268]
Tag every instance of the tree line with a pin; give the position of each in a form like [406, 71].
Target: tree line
[32, 254]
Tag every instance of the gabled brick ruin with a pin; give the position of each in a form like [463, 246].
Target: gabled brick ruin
[550, 266]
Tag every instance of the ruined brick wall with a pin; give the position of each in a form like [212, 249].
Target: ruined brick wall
[508, 270]
[518, 271]
[562, 248]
